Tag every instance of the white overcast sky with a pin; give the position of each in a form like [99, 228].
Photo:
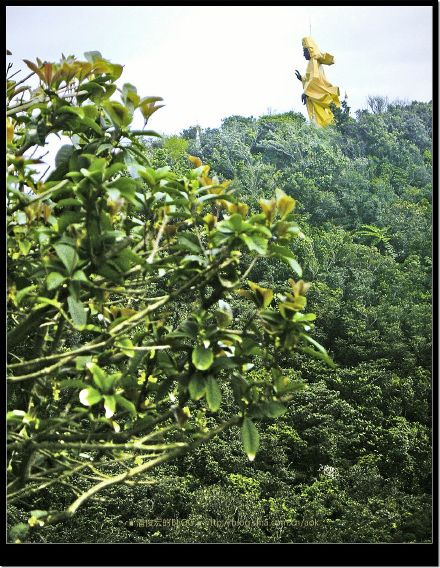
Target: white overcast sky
[210, 62]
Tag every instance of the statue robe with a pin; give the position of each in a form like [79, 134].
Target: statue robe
[319, 92]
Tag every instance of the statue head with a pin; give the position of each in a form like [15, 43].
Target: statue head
[312, 51]
[306, 53]
[310, 46]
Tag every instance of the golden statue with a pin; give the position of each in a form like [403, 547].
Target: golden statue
[318, 94]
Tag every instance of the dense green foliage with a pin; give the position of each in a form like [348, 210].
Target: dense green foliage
[123, 339]
[350, 458]
[357, 457]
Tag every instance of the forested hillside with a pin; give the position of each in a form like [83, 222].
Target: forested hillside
[348, 458]
[353, 452]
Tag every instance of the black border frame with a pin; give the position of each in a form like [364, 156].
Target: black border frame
[276, 554]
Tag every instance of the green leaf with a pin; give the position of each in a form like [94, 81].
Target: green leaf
[234, 224]
[255, 243]
[35, 69]
[80, 276]
[89, 123]
[227, 282]
[250, 346]
[124, 261]
[299, 317]
[99, 376]
[98, 165]
[128, 88]
[235, 221]
[113, 169]
[21, 294]
[95, 91]
[314, 342]
[188, 241]
[197, 387]
[19, 531]
[15, 416]
[67, 255]
[76, 111]
[103, 147]
[114, 70]
[67, 202]
[261, 229]
[101, 379]
[25, 247]
[287, 256]
[224, 363]
[294, 265]
[212, 197]
[92, 56]
[89, 396]
[189, 258]
[77, 311]
[130, 96]
[47, 301]
[63, 156]
[54, 280]
[127, 188]
[285, 203]
[82, 360]
[148, 100]
[273, 409]
[147, 108]
[90, 111]
[118, 113]
[288, 309]
[213, 394]
[189, 329]
[69, 218]
[264, 296]
[223, 314]
[125, 344]
[318, 355]
[145, 133]
[148, 174]
[250, 438]
[110, 273]
[38, 514]
[127, 404]
[109, 405]
[202, 357]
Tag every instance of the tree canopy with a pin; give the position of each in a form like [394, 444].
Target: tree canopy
[121, 334]
[157, 303]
